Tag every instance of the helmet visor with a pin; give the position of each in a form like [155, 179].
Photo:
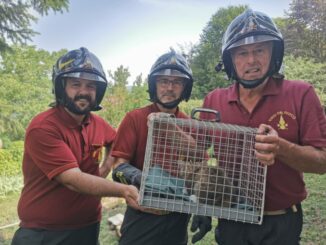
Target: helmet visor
[251, 40]
[85, 75]
[170, 72]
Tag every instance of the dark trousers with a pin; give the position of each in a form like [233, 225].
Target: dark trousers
[83, 236]
[140, 228]
[282, 229]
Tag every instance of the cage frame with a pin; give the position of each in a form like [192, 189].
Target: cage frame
[254, 216]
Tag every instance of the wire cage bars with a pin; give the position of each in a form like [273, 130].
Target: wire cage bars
[204, 168]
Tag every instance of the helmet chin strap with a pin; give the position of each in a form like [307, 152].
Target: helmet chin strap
[169, 105]
[252, 83]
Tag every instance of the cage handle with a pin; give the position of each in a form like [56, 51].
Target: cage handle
[200, 109]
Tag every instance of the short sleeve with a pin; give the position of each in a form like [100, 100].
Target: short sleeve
[126, 139]
[49, 152]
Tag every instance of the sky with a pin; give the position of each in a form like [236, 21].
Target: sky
[134, 33]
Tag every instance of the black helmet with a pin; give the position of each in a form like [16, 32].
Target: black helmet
[79, 63]
[247, 28]
[170, 64]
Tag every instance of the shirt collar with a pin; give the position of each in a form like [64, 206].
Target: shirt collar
[272, 88]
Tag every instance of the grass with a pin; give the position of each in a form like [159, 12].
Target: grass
[314, 228]
[314, 208]
[8, 207]
[108, 236]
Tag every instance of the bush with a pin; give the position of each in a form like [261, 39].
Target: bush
[11, 159]
[11, 179]
[6, 162]
[187, 107]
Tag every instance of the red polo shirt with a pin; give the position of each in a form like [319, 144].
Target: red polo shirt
[131, 138]
[293, 109]
[54, 143]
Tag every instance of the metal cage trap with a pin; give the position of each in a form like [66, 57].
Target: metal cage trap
[204, 168]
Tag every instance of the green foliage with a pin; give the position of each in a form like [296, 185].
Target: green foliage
[138, 94]
[120, 99]
[16, 18]
[11, 159]
[307, 70]
[304, 30]
[10, 168]
[206, 55]
[314, 210]
[16, 151]
[118, 102]
[43, 7]
[119, 78]
[187, 107]
[25, 87]
[6, 163]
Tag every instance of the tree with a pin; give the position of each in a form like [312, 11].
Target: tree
[206, 55]
[138, 95]
[25, 87]
[16, 19]
[119, 100]
[116, 95]
[138, 81]
[305, 29]
[119, 78]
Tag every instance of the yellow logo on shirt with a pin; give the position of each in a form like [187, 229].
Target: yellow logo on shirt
[282, 124]
[97, 153]
[282, 118]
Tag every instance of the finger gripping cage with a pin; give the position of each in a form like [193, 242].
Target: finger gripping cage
[203, 168]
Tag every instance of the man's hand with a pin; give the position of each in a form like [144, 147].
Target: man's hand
[130, 194]
[203, 223]
[267, 144]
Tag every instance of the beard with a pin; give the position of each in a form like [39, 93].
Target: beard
[71, 105]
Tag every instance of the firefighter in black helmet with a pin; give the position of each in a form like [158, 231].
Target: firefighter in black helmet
[170, 64]
[288, 142]
[63, 180]
[248, 28]
[169, 82]
[79, 63]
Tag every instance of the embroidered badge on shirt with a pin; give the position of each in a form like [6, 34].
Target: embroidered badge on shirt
[281, 119]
